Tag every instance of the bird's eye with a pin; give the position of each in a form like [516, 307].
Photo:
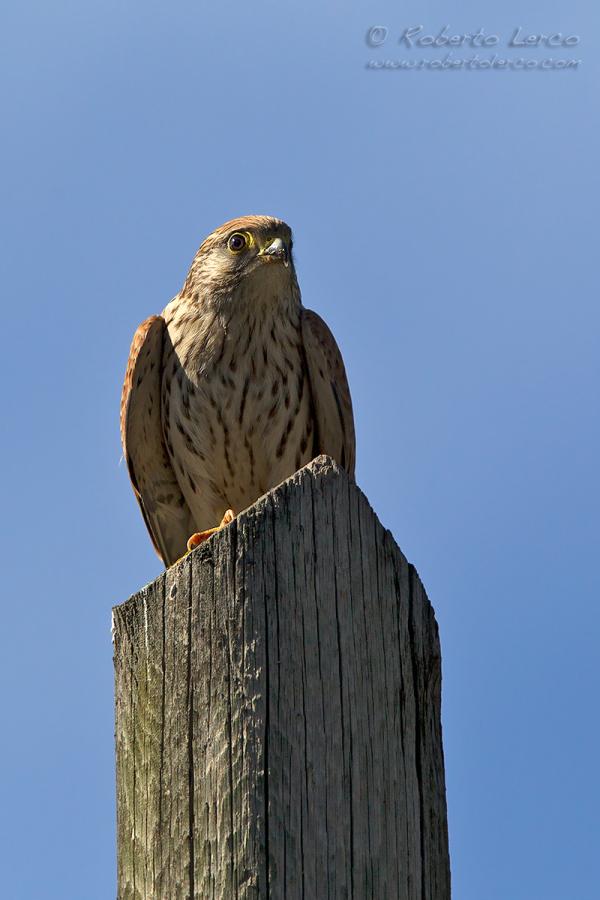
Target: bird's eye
[237, 242]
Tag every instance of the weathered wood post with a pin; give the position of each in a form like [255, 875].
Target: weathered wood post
[278, 712]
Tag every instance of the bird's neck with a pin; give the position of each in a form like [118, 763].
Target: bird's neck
[223, 331]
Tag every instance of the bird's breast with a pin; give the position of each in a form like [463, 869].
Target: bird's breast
[236, 412]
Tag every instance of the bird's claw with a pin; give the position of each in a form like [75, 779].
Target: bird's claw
[200, 536]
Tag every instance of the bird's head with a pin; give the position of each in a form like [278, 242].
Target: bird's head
[252, 253]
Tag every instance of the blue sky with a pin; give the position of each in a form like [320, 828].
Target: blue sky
[446, 228]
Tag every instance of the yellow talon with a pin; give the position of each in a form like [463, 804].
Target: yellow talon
[200, 536]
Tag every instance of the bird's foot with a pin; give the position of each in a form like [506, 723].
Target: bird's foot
[200, 536]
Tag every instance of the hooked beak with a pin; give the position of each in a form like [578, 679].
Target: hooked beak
[277, 249]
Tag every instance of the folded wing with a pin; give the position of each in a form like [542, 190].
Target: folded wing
[331, 394]
[165, 511]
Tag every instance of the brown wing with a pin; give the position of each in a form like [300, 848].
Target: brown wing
[166, 514]
[331, 394]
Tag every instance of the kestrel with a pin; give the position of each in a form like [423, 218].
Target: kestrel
[231, 389]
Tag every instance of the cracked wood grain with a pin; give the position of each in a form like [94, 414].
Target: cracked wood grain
[278, 712]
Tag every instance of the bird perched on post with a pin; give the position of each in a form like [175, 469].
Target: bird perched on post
[231, 389]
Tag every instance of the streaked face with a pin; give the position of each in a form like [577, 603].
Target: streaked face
[257, 246]
[246, 249]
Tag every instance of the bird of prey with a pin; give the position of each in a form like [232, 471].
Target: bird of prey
[229, 391]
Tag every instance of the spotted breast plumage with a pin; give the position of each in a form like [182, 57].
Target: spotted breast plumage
[234, 387]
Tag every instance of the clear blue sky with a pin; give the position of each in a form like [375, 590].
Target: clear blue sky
[446, 228]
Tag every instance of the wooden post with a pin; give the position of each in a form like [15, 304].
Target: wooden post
[278, 712]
